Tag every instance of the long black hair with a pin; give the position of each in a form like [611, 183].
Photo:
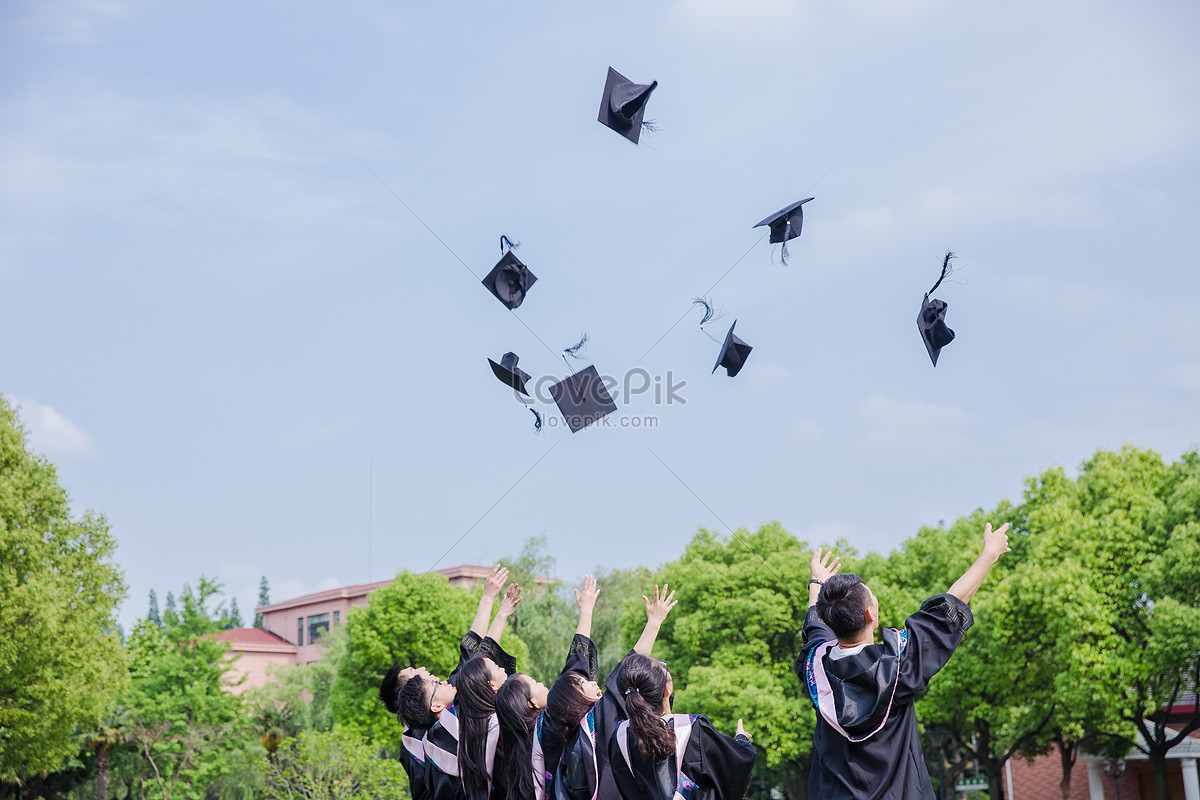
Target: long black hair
[476, 702]
[517, 718]
[566, 705]
[643, 682]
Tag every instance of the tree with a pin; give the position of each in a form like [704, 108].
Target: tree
[264, 599]
[152, 615]
[235, 615]
[170, 611]
[332, 765]
[188, 731]
[545, 620]
[415, 620]
[61, 663]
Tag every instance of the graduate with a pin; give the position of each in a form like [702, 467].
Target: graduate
[521, 699]
[658, 755]
[478, 638]
[580, 718]
[428, 703]
[866, 743]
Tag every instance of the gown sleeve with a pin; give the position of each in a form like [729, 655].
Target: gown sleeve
[582, 656]
[934, 631]
[491, 648]
[718, 763]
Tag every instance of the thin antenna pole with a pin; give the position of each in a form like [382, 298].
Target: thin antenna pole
[370, 510]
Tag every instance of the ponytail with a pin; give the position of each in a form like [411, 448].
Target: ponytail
[643, 682]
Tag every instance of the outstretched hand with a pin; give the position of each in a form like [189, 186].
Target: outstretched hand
[658, 608]
[741, 731]
[995, 542]
[586, 598]
[824, 566]
[512, 599]
[495, 582]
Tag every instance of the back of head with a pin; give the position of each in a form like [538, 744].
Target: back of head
[413, 702]
[517, 718]
[476, 702]
[643, 682]
[842, 604]
[390, 688]
[566, 705]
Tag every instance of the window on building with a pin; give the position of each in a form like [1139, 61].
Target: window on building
[337, 617]
[300, 631]
[317, 624]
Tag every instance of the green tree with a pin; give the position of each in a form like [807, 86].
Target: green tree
[332, 765]
[235, 615]
[545, 620]
[264, 599]
[152, 614]
[188, 732]
[415, 620]
[61, 662]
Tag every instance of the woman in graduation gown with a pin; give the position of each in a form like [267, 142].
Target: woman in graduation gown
[658, 755]
[521, 700]
[584, 718]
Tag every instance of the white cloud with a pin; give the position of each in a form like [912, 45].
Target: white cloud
[805, 431]
[72, 21]
[51, 433]
[759, 18]
[890, 424]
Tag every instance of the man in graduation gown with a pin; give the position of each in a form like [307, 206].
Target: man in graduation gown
[866, 745]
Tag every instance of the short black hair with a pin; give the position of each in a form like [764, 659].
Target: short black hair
[842, 604]
[414, 703]
[390, 688]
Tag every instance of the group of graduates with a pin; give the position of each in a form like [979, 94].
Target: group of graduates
[489, 732]
[492, 733]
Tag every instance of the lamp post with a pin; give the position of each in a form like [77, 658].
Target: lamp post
[1114, 770]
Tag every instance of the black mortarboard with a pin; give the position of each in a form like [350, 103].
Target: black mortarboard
[509, 280]
[508, 372]
[582, 398]
[624, 104]
[786, 224]
[734, 353]
[931, 322]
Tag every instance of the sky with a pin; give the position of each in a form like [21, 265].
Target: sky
[241, 246]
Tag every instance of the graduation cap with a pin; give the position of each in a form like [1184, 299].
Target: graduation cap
[582, 398]
[624, 104]
[931, 321]
[785, 225]
[733, 355]
[509, 374]
[509, 280]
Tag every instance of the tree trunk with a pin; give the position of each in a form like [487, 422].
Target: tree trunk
[102, 762]
[995, 776]
[1159, 761]
[1066, 756]
[795, 786]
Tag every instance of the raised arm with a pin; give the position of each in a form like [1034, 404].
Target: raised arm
[822, 568]
[586, 600]
[512, 599]
[995, 544]
[491, 590]
[656, 611]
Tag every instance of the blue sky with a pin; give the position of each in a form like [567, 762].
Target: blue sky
[219, 322]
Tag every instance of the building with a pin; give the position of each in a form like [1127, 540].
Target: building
[291, 629]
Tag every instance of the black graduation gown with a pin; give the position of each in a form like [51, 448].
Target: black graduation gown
[442, 781]
[582, 656]
[584, 770]
[709, 765]
[866, 745]
[412, 758]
